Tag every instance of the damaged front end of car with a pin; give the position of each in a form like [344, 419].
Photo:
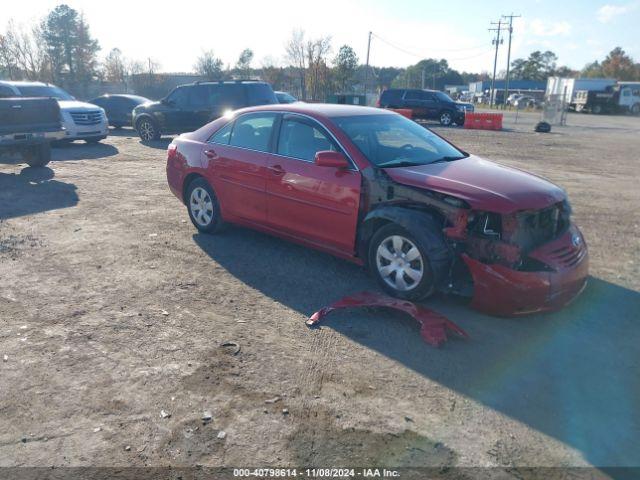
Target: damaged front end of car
[510, 262]
[520, 263]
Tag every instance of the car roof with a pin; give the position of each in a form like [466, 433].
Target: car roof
[120, 95]
[225, 82]
[328, 110]
[20, 83]
[410, 90]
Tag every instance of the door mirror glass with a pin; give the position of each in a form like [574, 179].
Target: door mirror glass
[329, 158]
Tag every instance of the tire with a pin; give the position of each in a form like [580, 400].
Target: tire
[432, 259]
[203, 207]
[635, 109]
[38, 155]
[148, 129]
[597, 109]
[445, 118]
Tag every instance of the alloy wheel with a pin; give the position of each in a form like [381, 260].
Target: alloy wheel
[445, 118]
[146, 130]
[399, 263]
[201, 206]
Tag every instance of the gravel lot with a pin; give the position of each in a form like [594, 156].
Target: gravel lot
[113, 309]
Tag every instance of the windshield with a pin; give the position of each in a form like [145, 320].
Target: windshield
[44, 91]
[395, 141]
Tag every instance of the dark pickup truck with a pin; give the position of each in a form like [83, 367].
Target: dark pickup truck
[28, 126]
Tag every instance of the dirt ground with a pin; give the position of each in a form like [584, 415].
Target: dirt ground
[113, 309]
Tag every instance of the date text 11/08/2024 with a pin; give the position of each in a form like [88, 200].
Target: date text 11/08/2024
[316, 472]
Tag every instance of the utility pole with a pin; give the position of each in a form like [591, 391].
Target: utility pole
[366, 70]
[422, 78]
[496, 42]
[506, 85]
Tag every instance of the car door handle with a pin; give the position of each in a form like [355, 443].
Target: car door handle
[277, 170]
[211, 154]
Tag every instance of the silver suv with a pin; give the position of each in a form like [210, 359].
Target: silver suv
[81, 120]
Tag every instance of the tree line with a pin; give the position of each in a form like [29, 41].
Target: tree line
[61, 50]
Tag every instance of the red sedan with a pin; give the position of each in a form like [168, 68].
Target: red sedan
[375, 188]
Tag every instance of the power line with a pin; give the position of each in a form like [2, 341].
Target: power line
[421, 56]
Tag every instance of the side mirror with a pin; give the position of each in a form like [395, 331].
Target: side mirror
[329, 158]
[169, 103]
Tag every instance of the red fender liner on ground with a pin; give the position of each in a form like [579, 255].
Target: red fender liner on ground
[433, 325]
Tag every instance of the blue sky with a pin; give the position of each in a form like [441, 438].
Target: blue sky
[175, 33]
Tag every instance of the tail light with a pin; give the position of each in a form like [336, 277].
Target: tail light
[172, 152]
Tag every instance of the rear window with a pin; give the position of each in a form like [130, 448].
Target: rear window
[260, 94]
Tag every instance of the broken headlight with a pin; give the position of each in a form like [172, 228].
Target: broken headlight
[486, 224]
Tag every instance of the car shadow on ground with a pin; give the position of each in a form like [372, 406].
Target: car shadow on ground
[82, 151]
[33, 190]
[572, 375]
[160, 144]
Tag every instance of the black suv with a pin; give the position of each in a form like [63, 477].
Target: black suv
[189, 107]
[426, 104]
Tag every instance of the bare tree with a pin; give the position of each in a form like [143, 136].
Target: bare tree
[297, 58]
[243, 65]
[115, 67]
[209, 66]
[316, 52]
[21, 54]
[272, 73]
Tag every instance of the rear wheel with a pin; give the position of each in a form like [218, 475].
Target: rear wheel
[203, 206]
[409, 265]
[635, 109]
[38, 155]
[445, 118]
[148, 129]
[597, 109]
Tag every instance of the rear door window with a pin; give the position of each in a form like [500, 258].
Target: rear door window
[231, 96]
[199, 96]
[253, 131]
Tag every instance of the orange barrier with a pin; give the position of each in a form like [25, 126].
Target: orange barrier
[483, 121]
[405, 112]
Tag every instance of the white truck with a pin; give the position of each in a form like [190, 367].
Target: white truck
[624, 97]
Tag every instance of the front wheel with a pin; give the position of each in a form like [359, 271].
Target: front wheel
[203, 206]
[148, 130]
[408, 265]
[446, 118]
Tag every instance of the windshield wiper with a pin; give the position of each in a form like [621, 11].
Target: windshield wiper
[394, 163]
[448, 159]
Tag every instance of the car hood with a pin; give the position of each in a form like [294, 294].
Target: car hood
[76, 105]
[485, 185]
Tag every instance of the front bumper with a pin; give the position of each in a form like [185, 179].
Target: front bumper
[502, 291]
[79, 132]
